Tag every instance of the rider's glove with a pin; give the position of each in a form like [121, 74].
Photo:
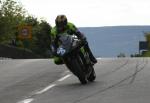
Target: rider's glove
[81, 36]
[53, 49]
[84, 40]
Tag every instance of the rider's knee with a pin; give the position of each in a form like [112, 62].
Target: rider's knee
[58, 61]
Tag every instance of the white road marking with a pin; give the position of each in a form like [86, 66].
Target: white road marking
[52, 85]
[65, 77]
[46, 89]
[27, 100]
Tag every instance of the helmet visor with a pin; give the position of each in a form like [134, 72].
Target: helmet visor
[60, 25]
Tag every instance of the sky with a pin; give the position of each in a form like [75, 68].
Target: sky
[92, 13]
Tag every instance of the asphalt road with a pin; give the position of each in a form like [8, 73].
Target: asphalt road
[123, 80]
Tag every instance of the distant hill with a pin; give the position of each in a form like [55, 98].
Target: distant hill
[113, 40]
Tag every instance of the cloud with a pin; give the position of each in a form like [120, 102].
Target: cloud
[92, 12]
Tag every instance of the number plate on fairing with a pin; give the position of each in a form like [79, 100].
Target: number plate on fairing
[61, 51]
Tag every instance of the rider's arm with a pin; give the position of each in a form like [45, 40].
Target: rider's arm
[76, 31]
[53, 40]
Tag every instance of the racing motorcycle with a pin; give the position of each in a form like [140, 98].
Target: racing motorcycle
[76, 58]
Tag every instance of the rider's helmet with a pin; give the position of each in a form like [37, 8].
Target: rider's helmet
[61, 22]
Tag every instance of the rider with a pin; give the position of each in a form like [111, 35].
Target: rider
[63, 26]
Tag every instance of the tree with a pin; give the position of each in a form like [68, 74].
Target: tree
[40, 36]
[42, 40]
[11, 15]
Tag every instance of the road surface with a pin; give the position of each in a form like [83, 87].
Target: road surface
[119, 80]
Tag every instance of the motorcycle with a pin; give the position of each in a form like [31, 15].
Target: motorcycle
[71, 50]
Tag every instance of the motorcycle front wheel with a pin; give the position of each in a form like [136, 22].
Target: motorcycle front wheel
[92, 75]
[76, 67]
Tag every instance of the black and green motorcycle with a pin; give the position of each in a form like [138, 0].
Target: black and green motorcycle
[73, 54]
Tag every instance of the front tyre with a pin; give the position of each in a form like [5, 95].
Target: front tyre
[80, 73]
[92, 76]
[78, 70]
